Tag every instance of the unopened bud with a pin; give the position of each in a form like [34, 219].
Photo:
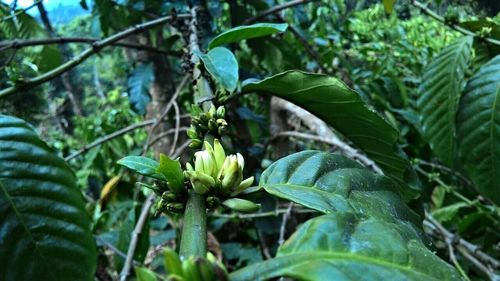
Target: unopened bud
[241, 205]
[221, 112]
[212, 125]
[191, 132]
[195, 143]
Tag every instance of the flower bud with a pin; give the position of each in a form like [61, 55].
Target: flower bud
[191, 132]
[243, 185]
[201, 182]
[231, 174]
[212, 125]
[212, 111]
[195, 143]
[241, 205]
[221, 122]
[221, 112]
[219, 155]
[204, 162]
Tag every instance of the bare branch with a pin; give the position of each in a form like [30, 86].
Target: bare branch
[275, 9]
[135, 236]
[471, 252]
[17, 44]
[96, 47]
[284, 220]
[110, 137]
[456, 27]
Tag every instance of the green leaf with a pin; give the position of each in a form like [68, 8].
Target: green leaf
[49, 58]
[243, 32]
[437, 104]
[144, 274]
[45, 231]
[368, 232]
[142, 165]
[388, 5]
[478, 129]
[125, 235]
[344, 246]
[138, 83]
[330, 183]
[447, 213]
[222, 65]
[172, 171]
[331, 100]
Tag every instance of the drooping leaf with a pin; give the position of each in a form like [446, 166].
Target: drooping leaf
[222, 65]
[138, 83]
[440, 90]
[45, 231]
[49, 58]
[247, 32]
[345, 246]
[479, 129]
[388, 5]
[331, 100]
[172, 171]
[368, 231]
[142, 165]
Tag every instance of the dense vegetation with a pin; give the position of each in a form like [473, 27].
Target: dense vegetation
[250, 140]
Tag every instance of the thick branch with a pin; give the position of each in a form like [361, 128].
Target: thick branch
[275, 9]
[16, 44]
[96, 47]
[456, 27]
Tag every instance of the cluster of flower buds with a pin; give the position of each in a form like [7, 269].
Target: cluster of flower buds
[194, 268]
[202, 123]
[219, 176]
[170, 203]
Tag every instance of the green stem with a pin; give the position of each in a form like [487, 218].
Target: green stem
[194, 230]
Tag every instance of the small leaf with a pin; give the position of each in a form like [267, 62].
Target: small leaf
[449, 212]
[49, 58]
[144, 274]
[142, 165]
[388, 5]
[138, 83]
[172, 171]
[222, 65]
[247, 32]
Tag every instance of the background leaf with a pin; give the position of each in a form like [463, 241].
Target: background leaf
[479, 129]
[45, 232]
[243, 32]
[437, 104]
[331, 100]
[138, 87]
[222, 65]
[142, 165]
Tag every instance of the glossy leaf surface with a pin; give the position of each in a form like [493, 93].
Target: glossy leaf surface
[45, 231]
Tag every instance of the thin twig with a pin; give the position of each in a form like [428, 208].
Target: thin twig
[135, 236]
[337, 143]
[166, 133]
[445, 169]
[480, 259]
[21, 11]
[456, 27]
[110, 137]
[96, 47]
[177, 126]
[113, 248]
[18, 43]
[284, 220]
[275, 9]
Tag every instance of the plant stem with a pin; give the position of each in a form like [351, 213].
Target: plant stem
[194, 230]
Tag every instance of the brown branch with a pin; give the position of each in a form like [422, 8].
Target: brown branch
[275, 9]
[135, 236]
[17, 44]
[471, 252]
[110, 137]
[456, 27]
[96, 47]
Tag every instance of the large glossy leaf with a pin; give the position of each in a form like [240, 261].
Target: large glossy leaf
[442, 82]
[45, 232]
[138, 87]
[368, 233]
[331, 183]
[222, 65]
[342, 108]
[243, 32]
[479, 129]
[344, 246]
